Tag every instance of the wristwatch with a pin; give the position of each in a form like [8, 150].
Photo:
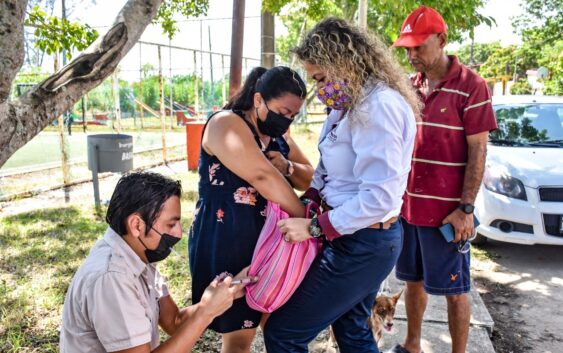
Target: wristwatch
[290, 168]
[315, 229]
[466, 208]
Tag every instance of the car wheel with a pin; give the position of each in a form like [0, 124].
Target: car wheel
[479, 240]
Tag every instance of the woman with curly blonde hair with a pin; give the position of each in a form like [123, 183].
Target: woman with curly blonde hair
[366, 146]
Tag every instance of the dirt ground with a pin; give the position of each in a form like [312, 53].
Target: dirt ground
[522, 286]
[522, 289]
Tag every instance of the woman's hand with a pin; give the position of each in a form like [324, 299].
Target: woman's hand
[295, 230]
[279, 161]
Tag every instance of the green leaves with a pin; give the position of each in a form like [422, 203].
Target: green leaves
[481, 52]
[55, 35]
[540, 18]
[187, 8]
[385, 17]
[540, 26]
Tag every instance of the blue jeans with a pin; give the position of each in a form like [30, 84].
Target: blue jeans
[339, 289]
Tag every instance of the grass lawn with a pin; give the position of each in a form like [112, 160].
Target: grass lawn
[40, 252]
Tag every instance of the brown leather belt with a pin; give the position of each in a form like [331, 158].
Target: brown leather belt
[379, 225]
[384, 225]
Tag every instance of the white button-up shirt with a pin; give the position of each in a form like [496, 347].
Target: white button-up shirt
[113, 301]
[364, 165]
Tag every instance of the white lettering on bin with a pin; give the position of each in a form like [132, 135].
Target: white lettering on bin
[126, 156]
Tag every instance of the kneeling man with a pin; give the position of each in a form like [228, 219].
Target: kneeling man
[117, 298]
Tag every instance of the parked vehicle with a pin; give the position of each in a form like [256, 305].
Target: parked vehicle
[521, 199]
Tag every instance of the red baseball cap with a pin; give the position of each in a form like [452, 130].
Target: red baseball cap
[419, 25]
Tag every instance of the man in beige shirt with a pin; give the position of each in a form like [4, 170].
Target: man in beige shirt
[117, 298]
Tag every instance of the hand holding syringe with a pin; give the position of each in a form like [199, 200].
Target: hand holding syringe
[241, 278]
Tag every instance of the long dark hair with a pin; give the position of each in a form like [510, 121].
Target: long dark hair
[143, 193]
[270, 83]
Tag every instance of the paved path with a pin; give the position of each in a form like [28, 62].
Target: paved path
[523, 287]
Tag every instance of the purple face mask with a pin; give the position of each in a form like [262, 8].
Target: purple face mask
[333, 96]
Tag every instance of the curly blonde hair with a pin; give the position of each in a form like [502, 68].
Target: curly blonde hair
[345, 51]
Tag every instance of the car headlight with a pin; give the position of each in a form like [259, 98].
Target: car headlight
[498, 181]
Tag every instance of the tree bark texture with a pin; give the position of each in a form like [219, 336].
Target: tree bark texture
[12, 50]
[25, 117]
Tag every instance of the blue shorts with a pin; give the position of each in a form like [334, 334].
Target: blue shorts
[427, 257]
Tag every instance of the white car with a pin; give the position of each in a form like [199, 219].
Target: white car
[521, 199]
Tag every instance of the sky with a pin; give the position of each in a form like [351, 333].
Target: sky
[215, 30]
[502, 11]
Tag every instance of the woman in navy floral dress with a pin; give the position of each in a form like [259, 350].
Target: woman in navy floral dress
[246, 159]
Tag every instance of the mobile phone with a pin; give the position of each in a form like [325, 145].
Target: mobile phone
[448, 231]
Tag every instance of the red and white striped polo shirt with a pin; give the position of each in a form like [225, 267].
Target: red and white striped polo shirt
[459, 106]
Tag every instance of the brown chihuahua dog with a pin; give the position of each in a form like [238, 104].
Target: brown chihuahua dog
[382, 314]
[380, 319]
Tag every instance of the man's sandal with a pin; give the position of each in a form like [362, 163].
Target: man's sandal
[399, 349]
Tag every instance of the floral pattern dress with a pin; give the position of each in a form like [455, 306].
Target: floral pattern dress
[228, 218]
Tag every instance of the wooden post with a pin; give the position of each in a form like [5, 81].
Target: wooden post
[63, 142]
[171, 96]
[141, 78]
[268, 40]
[301, 31]
[116, 104]
[84, 109]
[162, 111]
[211, 67]
[237, 39]
[363, 14]
[196, 90]
[224, 88]
[201, 65]
[62, 139]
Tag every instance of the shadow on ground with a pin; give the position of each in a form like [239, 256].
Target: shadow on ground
[39, 253]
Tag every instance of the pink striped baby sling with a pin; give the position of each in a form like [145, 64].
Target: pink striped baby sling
[280, 266]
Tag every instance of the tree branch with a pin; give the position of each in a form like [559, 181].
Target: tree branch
[12, 14]
[25, 117]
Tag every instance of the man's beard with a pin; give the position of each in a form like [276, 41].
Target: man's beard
[423, 67]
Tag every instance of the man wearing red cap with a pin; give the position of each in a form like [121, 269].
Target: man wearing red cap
[447, 169]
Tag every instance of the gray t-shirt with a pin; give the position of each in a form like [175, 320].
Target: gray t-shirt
[113, 300]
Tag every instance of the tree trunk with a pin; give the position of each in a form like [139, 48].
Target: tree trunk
[12, 15]
[25, 117]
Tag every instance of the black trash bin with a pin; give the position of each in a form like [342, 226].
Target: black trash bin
[114, 152]
[109, 153]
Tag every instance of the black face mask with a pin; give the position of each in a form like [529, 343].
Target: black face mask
[275, 124]
[163, 249]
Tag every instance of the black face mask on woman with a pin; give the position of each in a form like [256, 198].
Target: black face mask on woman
[275, 124]
[163, 249]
